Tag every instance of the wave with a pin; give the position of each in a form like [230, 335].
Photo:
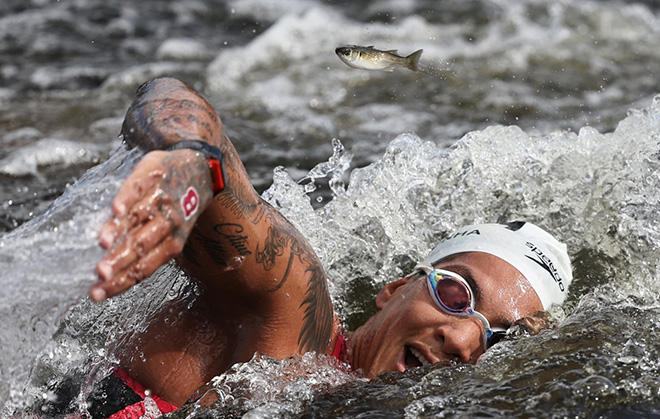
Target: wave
[597, 192]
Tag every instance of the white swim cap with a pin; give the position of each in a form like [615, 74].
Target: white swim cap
[536, 254]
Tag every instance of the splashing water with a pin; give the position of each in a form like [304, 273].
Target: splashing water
[597, 192]
[265, 383]
[542, 65]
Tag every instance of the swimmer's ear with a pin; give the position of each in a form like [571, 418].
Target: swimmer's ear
[388, 291]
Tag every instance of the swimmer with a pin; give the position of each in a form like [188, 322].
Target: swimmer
[263, 289]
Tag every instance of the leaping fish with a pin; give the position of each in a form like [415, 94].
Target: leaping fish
[369, 58]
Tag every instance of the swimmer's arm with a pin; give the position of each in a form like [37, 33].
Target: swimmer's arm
[155, 210]
[241, 248]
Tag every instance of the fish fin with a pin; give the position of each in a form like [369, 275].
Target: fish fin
[370, 46]
[393, 51]
[413, 59]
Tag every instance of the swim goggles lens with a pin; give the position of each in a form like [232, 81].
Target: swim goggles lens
[452, 293]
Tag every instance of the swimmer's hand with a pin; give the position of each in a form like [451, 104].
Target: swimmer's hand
[153, 215]
[532, 325]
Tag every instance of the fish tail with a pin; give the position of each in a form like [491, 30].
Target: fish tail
[413, 59]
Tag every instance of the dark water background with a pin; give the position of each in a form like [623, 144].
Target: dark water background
[68, 70]
[526, 114]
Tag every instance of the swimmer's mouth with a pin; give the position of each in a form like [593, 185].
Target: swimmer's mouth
[414, 358]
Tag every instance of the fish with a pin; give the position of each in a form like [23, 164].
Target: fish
[369, 58]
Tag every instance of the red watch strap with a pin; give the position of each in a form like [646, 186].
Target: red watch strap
[213, 155]
[216, 175]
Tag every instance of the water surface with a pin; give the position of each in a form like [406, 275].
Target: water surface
[536, 110]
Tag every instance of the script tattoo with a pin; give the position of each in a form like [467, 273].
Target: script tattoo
[190, 254]
[213, 247]
[232, 232]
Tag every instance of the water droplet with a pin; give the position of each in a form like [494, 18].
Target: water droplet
[234, 263]
[628, 360]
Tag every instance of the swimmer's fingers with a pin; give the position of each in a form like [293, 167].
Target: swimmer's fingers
[137, 199]
[138, 214]
[137, 244]
[138, 270]
[534, 324]
[154, 213]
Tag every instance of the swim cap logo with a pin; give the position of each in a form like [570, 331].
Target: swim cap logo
[462, 234]
[546, 264]
[189, 203]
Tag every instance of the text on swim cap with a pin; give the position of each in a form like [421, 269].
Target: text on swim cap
[546, 264]
[462, 234]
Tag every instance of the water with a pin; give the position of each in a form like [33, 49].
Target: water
[536, 110]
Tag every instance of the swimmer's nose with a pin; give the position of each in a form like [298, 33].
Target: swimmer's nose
[461, 340]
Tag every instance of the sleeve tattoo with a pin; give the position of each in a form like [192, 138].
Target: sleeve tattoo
[317, 319]
[283, 244]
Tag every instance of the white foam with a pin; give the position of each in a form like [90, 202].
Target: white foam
[50, 152]
[578, 186]
[183, 49]
[269, 11]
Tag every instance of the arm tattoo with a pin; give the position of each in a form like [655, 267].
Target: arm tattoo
[190, 254]
[317, 327]
[232, 232]
[296, 250]
[276, 241]
[317, 318]
[241, 202]
[235, 203]
[213, 247]
[165, 111]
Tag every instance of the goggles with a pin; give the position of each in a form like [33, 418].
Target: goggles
[453, 295]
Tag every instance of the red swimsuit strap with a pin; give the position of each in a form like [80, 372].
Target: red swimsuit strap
[138, 409]
[340, 347]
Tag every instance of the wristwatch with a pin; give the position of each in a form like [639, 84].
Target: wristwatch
[214, 157]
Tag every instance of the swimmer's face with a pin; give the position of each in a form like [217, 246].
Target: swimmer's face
[410, 330]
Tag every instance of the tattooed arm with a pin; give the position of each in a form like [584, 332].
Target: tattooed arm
[158, 204]
[253, 262]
